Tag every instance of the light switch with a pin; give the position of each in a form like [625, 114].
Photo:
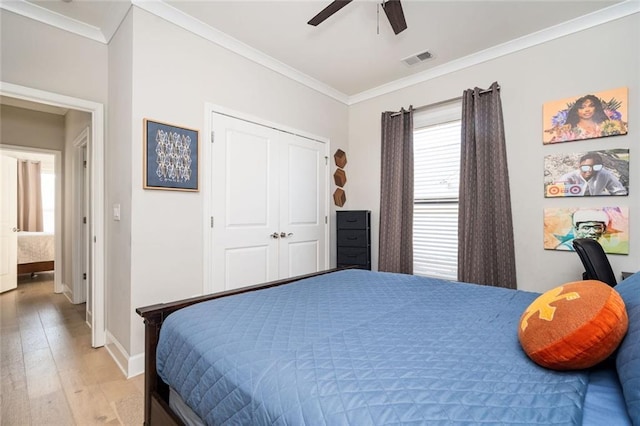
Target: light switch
[116, 212]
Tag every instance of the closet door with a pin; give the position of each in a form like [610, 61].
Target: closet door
[302, 206]
[245, 210]
[268, 194]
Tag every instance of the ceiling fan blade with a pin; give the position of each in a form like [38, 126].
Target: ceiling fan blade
[394, 12]
[328, 11]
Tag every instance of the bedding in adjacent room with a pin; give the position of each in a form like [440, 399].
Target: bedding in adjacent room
[35, 247]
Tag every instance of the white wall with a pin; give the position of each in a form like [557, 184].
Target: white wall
[118, 171]
[597, 59]
[174, 74]
[35, 129]
[43, 57]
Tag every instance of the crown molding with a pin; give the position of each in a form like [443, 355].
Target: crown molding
[195, 26]
[35, 12]
[593, 19]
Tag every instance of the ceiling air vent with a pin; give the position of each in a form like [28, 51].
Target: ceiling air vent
[416, 59]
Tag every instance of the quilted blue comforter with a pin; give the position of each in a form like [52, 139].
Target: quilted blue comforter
[362, 348]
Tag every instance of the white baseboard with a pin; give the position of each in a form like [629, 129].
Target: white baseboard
[136, 365]
[67, 292]
[130, 366]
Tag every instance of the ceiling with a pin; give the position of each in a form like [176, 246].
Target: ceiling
[353, 54]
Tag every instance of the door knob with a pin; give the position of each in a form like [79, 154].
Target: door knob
[275, 236]
[285, 235]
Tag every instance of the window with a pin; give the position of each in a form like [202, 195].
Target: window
[436, 140]
[48, 183]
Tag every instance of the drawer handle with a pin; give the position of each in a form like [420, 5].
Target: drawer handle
[352, 220]
[352, 238]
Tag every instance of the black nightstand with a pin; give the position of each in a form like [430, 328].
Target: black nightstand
[354, 238]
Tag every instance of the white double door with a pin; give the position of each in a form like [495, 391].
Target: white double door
[269, 204]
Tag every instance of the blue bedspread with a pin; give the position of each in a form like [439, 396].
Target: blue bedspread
[359, 348]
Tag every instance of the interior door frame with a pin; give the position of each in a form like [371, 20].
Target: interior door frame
[207, 155]
[96, 157]
[79, 247]
[58, 287]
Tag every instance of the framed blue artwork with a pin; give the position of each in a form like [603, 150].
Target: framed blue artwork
[170, 157]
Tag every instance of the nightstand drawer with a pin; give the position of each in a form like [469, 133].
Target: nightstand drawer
[354, 219]
[353, 238]
[353, 256]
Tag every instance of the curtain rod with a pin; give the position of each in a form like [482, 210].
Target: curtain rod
[446, 101]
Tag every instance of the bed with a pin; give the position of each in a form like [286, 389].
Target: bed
[35, 252]
[355, 347]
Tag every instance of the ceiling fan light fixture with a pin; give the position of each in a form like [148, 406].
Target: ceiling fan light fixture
[393, 10]
[333, 7]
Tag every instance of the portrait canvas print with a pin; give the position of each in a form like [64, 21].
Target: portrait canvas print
[607, 225]
[584, 174]
[587, 116]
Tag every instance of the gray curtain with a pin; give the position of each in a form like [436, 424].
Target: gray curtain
[29, 196]
[485, 227]
[396, 193]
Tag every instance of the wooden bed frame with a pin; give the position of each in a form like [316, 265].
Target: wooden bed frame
[156, 392]
[30, 268]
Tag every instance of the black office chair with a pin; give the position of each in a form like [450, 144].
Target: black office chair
[594, 259]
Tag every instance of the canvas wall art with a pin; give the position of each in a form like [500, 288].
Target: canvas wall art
[591, 173]
[587, 116]
[170, 157]
[607, 225]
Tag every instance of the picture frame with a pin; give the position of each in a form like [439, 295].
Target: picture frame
[170, 159]
[587, 116]
[587, 173]
[607, 225]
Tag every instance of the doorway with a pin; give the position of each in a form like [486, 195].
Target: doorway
[51, 167]
[96, 179]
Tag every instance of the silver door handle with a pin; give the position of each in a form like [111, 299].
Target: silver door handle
[285, 235]
[275, 236]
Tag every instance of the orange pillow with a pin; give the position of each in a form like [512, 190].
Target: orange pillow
[574, 326]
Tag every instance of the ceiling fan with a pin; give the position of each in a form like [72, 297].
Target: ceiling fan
[392, 8]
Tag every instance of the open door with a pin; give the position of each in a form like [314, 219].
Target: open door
[8, 224]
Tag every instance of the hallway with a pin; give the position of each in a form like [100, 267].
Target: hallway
[50, 373]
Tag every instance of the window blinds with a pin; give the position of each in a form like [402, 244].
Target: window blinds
[435, 214]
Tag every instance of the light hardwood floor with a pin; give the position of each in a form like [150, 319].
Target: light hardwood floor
[50, 373]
